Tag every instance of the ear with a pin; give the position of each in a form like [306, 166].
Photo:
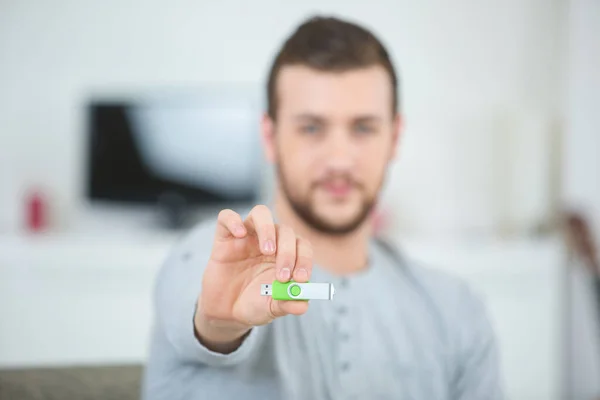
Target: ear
[267, 128]
[397, 129]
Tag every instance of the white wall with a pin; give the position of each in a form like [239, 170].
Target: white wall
[582, 136]
[471, 71]
[581, 166]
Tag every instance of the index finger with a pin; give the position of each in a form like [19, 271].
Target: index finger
[260, 220]
[229, 223]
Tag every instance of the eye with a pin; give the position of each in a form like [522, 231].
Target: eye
[364, 129]
[310, 129]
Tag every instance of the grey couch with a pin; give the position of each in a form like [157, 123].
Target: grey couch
[119, 382]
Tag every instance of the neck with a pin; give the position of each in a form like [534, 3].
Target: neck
[339, 255]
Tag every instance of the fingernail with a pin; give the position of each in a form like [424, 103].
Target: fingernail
[301, 274]
[269, 246]
[239, 230]
[284, 275]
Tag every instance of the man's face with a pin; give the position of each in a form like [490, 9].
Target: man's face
[332, 141]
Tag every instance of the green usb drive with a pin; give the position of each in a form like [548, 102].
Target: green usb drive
[298, 291]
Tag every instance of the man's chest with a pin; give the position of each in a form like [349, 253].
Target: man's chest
[370, 345]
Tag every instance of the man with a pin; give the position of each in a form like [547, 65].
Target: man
[392, 331]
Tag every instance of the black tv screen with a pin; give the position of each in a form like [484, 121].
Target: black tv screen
[202, 150]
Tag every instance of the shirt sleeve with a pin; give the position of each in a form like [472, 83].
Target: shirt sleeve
[177, 288]
[478, 371]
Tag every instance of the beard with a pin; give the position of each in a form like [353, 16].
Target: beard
[305, 210]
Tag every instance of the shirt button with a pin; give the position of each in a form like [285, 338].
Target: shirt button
[344, 282]
[342, 310]
[345, 366]
[344, 337]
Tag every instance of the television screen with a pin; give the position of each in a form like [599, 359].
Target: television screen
[203, 149]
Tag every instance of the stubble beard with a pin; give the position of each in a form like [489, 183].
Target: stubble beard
[305, 210]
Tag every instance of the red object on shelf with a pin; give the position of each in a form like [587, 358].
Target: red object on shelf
[36, 212]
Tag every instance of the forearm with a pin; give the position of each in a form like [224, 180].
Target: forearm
[219, 337]
[185, 334]
[203, 343]
[178, 288]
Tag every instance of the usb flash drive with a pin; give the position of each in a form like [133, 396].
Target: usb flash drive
[298, 291]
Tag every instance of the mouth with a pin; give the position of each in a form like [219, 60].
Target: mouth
[337, 188]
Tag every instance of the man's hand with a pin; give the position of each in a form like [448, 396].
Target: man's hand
[246, 254]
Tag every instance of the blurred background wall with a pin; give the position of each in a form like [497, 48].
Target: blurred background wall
[484, 91]
[581, 165]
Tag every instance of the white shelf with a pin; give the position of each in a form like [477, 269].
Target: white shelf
[101, 251]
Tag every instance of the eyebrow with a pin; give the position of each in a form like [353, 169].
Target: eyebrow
[361, 118]
[309, 117]
[367, 118]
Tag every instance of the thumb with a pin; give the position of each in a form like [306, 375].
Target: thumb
[280, 308]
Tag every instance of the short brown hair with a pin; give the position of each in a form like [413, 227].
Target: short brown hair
[333, 45]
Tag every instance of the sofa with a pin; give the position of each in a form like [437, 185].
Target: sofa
[111, 382]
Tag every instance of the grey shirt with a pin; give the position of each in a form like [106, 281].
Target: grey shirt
[394, 331]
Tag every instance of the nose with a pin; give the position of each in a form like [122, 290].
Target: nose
[341, 152]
